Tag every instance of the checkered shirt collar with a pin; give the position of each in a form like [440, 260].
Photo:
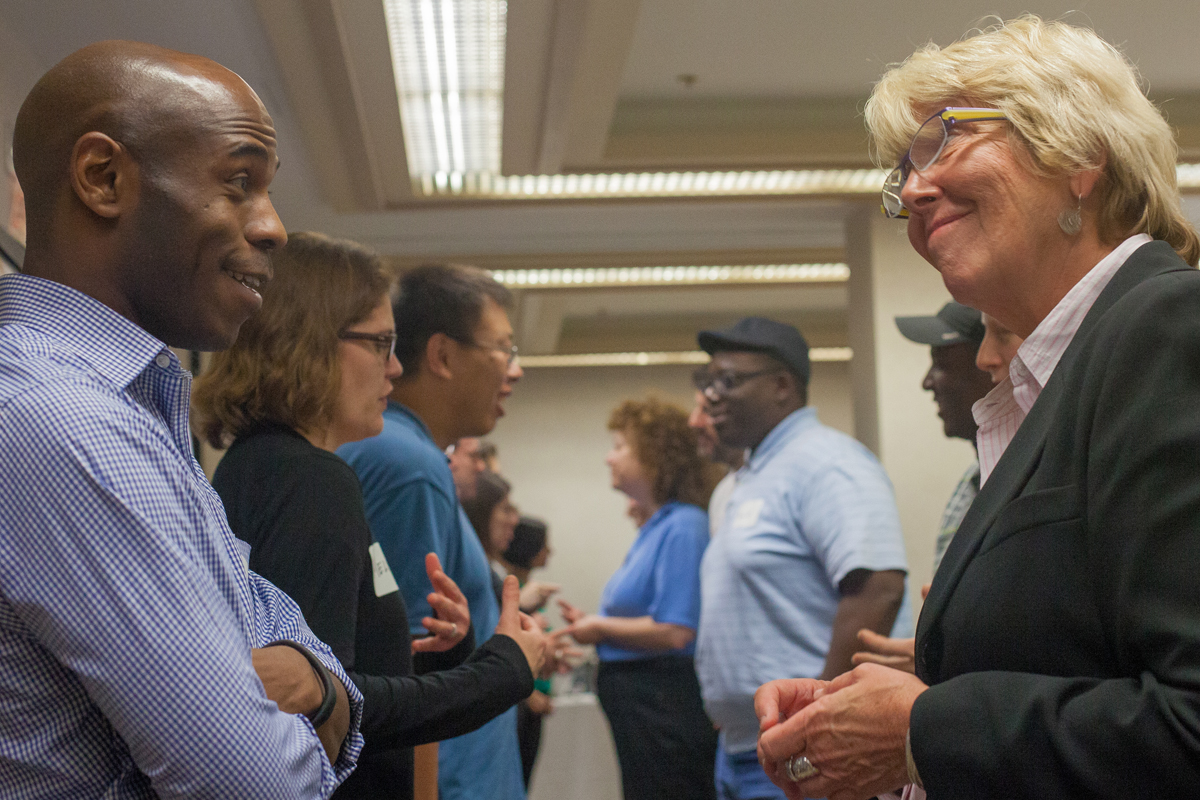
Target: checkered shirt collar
[114, 346]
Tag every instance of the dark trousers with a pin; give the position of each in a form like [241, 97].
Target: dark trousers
[529, 738]
[666, 744]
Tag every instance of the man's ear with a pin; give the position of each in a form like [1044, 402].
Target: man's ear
[784, 384]
[103, 175]
[787, 385]
[439, 355]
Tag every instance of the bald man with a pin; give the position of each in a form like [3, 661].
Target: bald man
[136, 649]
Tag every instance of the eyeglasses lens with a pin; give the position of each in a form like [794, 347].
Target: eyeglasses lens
[928, 143]
[892, 186]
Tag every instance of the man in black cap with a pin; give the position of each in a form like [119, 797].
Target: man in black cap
[953, 336]
[808, 551]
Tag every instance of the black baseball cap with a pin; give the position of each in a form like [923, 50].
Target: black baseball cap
[954, 324]
[761, 335]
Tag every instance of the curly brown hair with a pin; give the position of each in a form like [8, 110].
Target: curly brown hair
[665, 446]
[283, 367]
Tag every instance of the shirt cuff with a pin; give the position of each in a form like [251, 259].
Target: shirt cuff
[914, 777]
[353, 743]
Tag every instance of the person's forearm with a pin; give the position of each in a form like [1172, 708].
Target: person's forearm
[287, 622]
[403, 711]
[643, 633]
[333, 733]
[873, 605]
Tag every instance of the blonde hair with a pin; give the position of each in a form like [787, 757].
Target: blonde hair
[1075, 104]
[283, 368]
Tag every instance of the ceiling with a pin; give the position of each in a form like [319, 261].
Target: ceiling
[593, 86]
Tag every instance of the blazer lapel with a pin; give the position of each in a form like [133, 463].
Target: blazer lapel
[1013, 470]
[1009, 476]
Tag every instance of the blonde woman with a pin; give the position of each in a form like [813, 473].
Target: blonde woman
[1058, 653]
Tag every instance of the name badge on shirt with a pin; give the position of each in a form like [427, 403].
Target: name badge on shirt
[747, 513]
[385, 583]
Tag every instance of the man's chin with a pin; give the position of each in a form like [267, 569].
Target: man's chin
[206, 341]
[728, 437]
[485, 425]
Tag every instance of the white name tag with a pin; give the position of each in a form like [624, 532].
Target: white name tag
[384, 582]
[747, 513]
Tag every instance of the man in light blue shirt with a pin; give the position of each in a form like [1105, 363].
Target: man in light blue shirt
[454, 340]
[809, 550]
[135, 644]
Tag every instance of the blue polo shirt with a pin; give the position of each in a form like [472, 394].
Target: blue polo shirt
[810, 506]
[659, 578]
[409, 496]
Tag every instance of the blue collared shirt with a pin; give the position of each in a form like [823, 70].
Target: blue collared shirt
[659, 578]
[127, 612]
[408, 492]
[810, 506]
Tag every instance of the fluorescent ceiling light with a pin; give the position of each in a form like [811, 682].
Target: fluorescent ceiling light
[658, 184]
[448, 59]
[819, 354]
[608, 277]
[1188, 176]
[744, 183]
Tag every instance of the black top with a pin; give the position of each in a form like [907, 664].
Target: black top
[301, 510]
[1061, 638]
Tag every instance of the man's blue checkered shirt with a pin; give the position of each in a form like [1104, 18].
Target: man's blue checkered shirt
[127, 613]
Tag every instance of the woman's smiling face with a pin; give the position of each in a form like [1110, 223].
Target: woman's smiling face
[983, 219]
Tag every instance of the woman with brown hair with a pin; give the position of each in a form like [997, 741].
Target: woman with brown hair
[646, 629]
[310, 372]
[492, 514]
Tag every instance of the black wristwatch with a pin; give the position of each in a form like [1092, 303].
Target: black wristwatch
[328, 695]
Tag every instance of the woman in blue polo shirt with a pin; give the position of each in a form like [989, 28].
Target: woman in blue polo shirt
[646, 629]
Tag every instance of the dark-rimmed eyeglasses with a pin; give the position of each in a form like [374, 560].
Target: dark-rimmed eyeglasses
[384, 344]
[927, 146]
[509, 351]
[722, 383]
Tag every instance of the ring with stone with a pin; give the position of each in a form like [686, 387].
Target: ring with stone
[799, 768]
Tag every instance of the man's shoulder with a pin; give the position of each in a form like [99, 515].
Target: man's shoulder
[399, 446]
[819, 446]
[29, 363]
[44, 396]
[400, 456]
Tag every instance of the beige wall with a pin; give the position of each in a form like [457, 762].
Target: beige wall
[552, 446]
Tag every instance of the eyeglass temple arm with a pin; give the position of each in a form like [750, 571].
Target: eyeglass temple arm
[973, 114]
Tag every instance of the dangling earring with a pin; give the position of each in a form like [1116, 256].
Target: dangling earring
[1072, 220]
